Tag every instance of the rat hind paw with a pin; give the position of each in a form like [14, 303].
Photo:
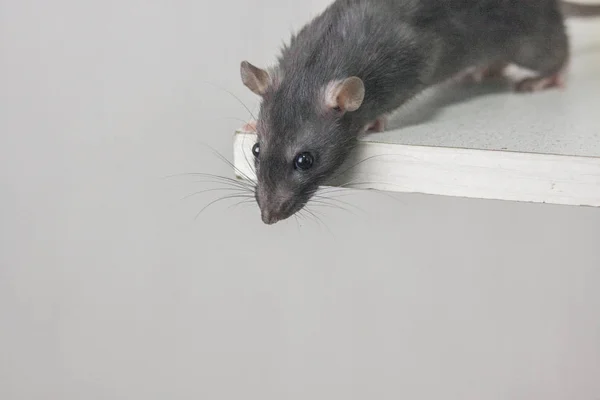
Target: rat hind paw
[540, 83]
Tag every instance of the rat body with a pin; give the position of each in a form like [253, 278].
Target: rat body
[360, 60]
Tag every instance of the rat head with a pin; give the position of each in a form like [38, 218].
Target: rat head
[304, 135]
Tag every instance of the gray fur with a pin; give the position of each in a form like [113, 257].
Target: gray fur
[398, 48]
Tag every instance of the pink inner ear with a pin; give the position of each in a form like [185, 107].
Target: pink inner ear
[250, 126]
[332, 96]
[344, 95]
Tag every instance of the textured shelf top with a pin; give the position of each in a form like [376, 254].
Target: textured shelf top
[490, 116]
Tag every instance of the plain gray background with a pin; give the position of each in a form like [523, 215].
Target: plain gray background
[109, 289]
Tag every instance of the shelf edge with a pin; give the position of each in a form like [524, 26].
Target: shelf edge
[458, 172]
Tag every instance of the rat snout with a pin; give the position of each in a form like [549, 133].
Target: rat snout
[273, 211]
[268, 217]
[274, 207]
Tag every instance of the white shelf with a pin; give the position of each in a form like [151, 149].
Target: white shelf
[483, 141]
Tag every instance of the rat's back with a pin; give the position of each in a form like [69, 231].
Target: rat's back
[364, 37]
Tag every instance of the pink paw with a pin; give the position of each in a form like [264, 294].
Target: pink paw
[540, 83]
[378, 125]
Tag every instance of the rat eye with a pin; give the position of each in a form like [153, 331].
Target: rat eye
[303, 161]
[256, 149]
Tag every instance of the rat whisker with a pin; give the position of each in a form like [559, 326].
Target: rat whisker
[334, 189]
[297, 222]
[354, 182]
[212, 185]
[226, 161]
[241, 120]
[227, 183]
[305, 215]
[350, 185]
[224, 184]
[212, 190]
[337, 195]
[320, 203]
[379, 192]
[334, 192]
[389, 195]
[325, 201]
[246, 123]
[228, 187]
[234, 96]
[357, 164]
[302, 214]
[343, 202]
[311, 213]
[331, 189]
[181, 174]
[301, 218]
[319, 220]
[236, 169]
[233, 196]
[242, 202]
[239, 182]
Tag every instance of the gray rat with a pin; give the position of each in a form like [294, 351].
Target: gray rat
[359, 60]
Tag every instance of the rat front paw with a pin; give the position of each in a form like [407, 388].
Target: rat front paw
[378, 125]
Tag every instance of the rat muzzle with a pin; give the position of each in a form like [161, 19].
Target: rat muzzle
[268, 217]
[275, 207]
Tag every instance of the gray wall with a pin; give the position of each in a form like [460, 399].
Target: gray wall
[109, 289]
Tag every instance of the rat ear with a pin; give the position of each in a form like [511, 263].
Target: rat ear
[346, 95]
[254, 78]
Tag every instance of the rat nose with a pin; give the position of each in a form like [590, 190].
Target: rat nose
[274, 205]
[268, 217]
[274, 210]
